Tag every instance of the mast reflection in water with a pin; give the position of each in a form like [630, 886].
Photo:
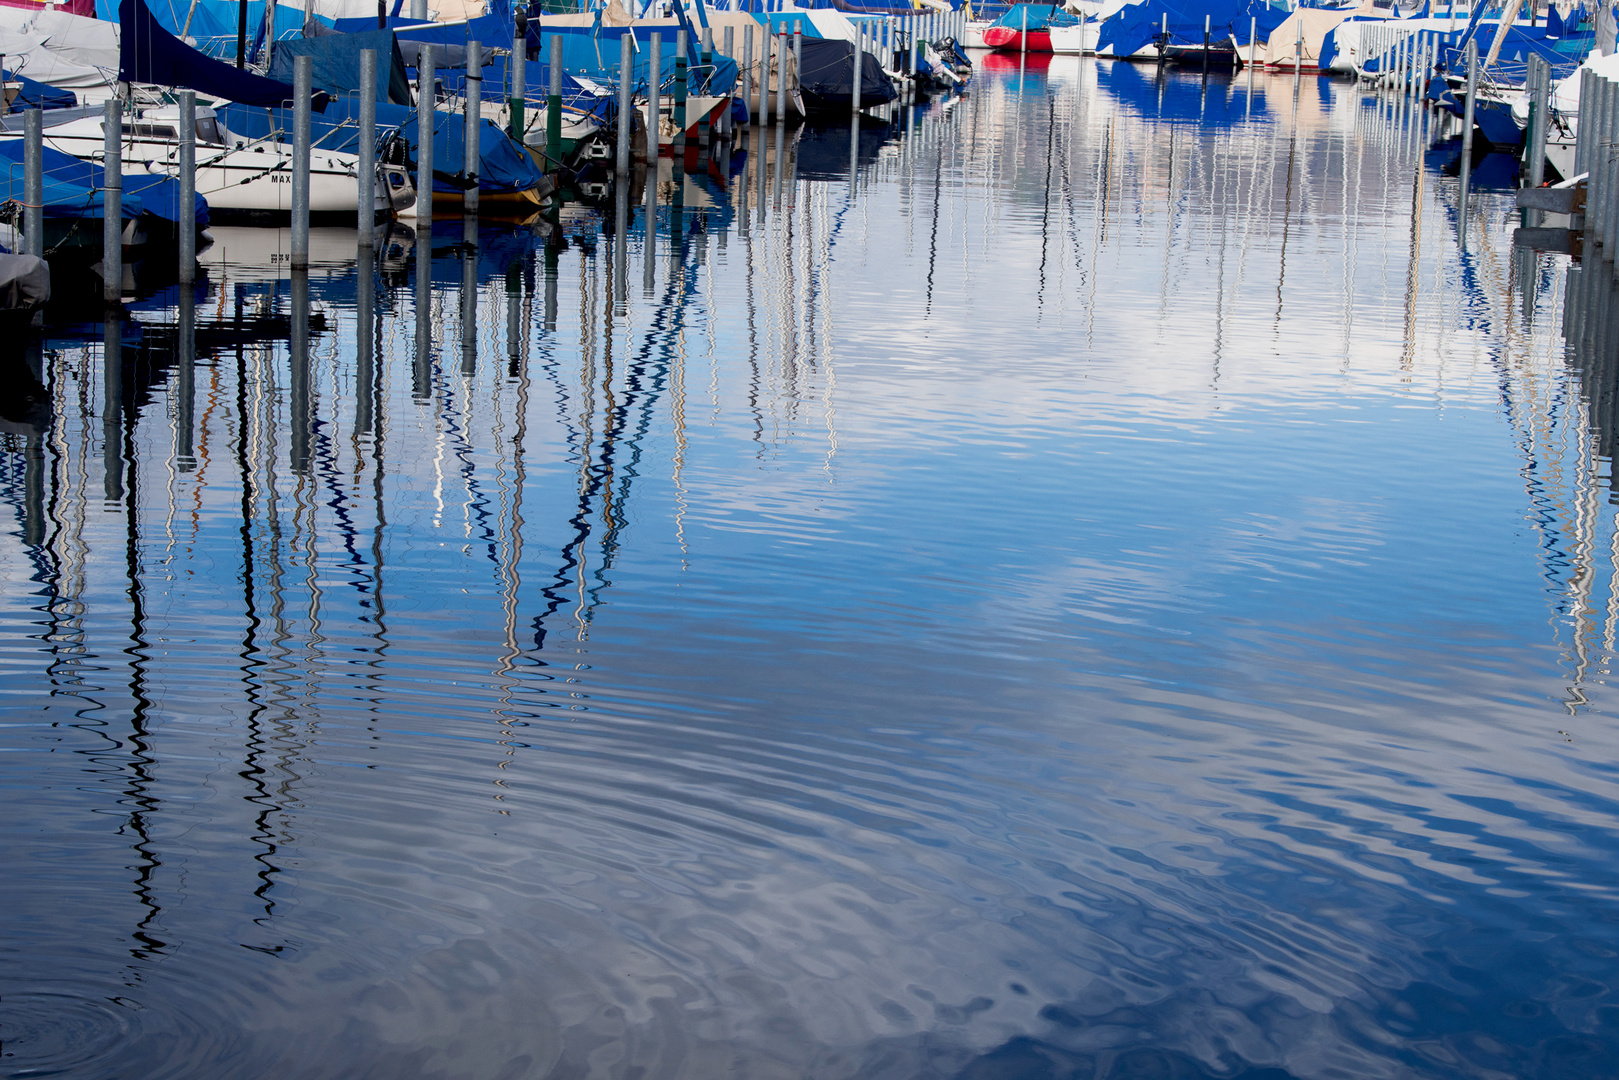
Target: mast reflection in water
[1105, 577]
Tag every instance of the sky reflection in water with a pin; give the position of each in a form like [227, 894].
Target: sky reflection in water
[1124, 592]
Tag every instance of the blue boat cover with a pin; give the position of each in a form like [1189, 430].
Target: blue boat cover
[1136, 26]
[489, 29]
[1329, 46]
[358, 23]
[1564, 54]
[213, 22]
[593, 53]
[504, 167]
[72, 187]
[781, 22]
[158, 195]
[1558, 26]
[147, 53]
[37, 95]
[985, 9]
[336, 63]
[1037, 17]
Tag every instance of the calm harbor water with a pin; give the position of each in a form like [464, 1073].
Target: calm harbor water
[1121, 586]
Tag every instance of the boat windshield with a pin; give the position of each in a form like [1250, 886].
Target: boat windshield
[150, 131]
[208, 132]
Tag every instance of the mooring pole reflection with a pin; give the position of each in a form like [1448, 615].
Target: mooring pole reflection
[365, 351]
[112, 404]
[469, 294]
[550, 313]
[514, 318]
[649, 246]
[621, 251]
[422, 370]
[854, 154]
[302, 418]
[677, 207]
[185, 423]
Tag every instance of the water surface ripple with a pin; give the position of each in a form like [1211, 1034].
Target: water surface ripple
[1121, 584]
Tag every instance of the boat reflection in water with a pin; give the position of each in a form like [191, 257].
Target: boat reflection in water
[1105, 577]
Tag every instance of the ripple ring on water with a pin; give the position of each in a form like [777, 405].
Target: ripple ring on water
[52, 1033]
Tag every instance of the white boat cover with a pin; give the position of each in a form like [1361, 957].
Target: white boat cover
[1284, 40]
[62, 50]
[74, 38]
[831, 24]
[27, 55]
[1566, 94]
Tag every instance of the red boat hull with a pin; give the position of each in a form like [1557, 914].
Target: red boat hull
[1004, 61]
[1006, 39]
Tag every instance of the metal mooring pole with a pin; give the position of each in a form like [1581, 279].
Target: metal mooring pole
[366, 208]
[654, 76]
[112, 192]
[302, 78]
[626, 66]
[471, 123]
[425, 129]
[33, 184]
[519, 89]
[187, 222]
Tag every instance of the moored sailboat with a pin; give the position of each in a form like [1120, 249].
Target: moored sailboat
[1027, 28]
[241, 177]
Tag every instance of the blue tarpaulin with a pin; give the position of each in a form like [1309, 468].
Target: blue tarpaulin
[37, 95]
[1564, 54]
[213, 22]
[335, 63]
[359, 23]
[72, 187]
[338, 63]
[147, 53]
[779, 22]
[504, 167]
[1022, 17]
[593, 52]
[157, 194]
[1137, 26]
[1557, 26]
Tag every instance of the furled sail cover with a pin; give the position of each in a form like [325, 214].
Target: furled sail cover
[147, 53]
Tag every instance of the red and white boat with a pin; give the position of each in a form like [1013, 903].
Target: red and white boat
[1027, 28]
[1008, 39]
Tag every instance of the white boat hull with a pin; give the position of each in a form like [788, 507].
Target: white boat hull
[1560, 155]
[1079, 39]
[247, 177]
[696, 107]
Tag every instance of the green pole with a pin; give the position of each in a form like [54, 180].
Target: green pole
[519, 77]
[553, 107]
[680, 93]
